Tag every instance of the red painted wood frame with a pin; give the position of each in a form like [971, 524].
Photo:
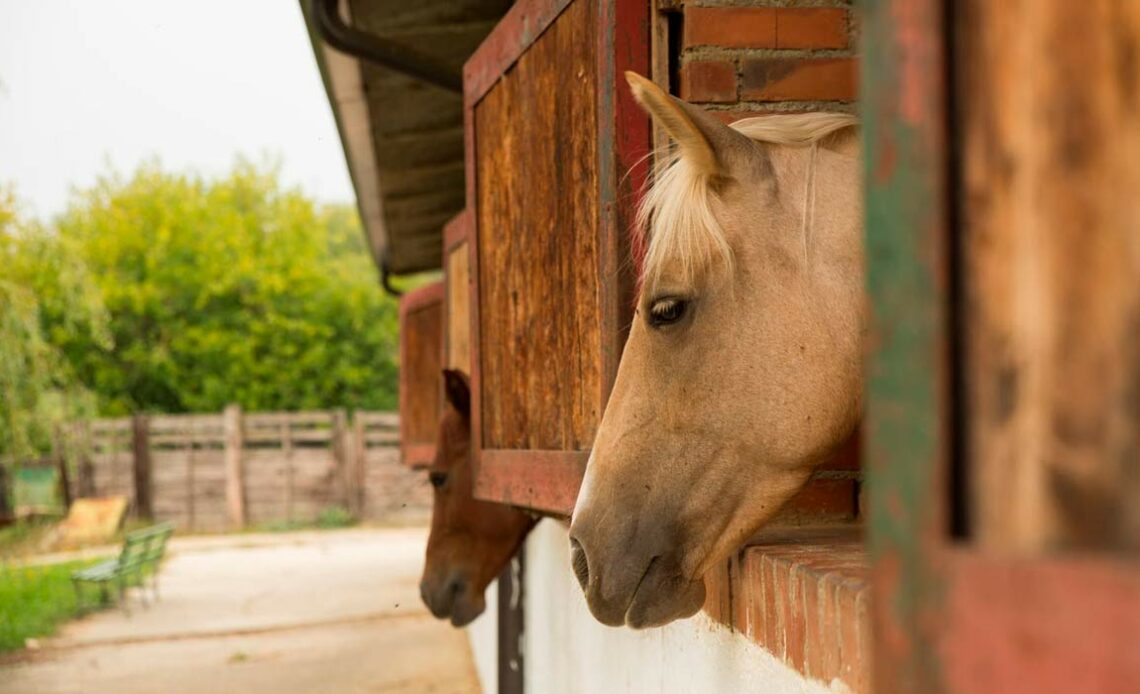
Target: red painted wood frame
[455, 233]
[548, 480]
[421, 382]
[948, 616]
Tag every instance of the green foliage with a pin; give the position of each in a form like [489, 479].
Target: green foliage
[45, 294]
[220, 291]
[35, 600]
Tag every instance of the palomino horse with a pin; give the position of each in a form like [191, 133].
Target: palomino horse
[743, 366]
[471, 541]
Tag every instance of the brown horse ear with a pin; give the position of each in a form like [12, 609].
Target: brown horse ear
[458, 390]
[703, 139]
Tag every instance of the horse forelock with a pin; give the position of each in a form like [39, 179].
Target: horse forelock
[675, 221]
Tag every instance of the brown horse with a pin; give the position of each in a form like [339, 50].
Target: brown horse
[471, 541]
[743, 366]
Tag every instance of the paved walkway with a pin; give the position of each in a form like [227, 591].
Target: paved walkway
[335, 611]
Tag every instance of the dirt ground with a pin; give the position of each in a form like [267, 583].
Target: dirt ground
[334, 611]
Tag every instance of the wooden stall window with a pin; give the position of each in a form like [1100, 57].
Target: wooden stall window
[553, 136]
[421, 361]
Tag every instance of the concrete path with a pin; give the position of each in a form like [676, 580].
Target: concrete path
[335, 611]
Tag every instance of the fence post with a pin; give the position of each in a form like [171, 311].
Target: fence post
[235, 482]
[59, 452]
[359, 463]
[141, 454]
[6, 511]
[85, 486]
[340, 456]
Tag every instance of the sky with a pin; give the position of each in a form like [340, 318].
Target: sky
[87, 86]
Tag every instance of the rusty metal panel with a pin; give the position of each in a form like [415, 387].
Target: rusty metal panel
[908, 405]
[421, 362]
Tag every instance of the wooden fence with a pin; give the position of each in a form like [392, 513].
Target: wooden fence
[233, 470]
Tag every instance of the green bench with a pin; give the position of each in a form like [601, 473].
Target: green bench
[141, 553]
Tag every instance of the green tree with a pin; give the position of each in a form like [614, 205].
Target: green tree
[227, 290]
[45, 294]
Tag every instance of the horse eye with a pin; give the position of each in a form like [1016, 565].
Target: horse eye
[437, 479]
[666, 311]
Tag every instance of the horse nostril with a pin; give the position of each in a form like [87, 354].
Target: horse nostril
[579, 562]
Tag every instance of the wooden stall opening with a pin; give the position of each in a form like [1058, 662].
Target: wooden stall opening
[553, 138]
[421, 361]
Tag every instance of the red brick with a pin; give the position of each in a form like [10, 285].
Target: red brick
[730, 27]
[849, 657]
[772, 597]
[825, 498]
[789, 79]
[862, 679]
[710, 81]
[811, 28]
[795, 622]
[848, 456]
[753, 573]
[782, 581]
[813, 651]
[828, 631]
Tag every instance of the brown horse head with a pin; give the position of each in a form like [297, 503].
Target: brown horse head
[471, 541]
[743, 365]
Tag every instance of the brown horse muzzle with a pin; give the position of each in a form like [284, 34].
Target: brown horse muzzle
[452, 599]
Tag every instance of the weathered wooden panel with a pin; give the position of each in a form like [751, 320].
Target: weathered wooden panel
[1050, 96]
[459, 309]
[909, 409]
[538, 223]
[1033, 625]
[421, 362]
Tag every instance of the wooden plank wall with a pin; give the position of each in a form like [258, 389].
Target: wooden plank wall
[293, 466]
[188, 470]
[540, 362]
[1050, 96]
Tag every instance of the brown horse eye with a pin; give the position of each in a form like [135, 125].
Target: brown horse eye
[666, 311]
[437, 479]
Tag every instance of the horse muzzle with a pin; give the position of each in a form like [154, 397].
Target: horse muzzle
[638, 588]
[452, 599]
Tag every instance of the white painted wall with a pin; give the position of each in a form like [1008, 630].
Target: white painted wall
[566, 650]
[483, 634]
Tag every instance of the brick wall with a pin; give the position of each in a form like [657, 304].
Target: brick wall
[748, 56]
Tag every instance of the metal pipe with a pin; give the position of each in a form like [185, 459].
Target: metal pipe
[386, 277]
[381, 51]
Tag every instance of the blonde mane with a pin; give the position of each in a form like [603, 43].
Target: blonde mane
[675, 218]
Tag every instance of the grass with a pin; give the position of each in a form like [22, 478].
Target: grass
[35, 600]
[329, 518]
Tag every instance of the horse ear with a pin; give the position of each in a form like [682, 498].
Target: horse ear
[458, 390]
[704, 140]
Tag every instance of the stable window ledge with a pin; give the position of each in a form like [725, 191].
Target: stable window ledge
[804, 595]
